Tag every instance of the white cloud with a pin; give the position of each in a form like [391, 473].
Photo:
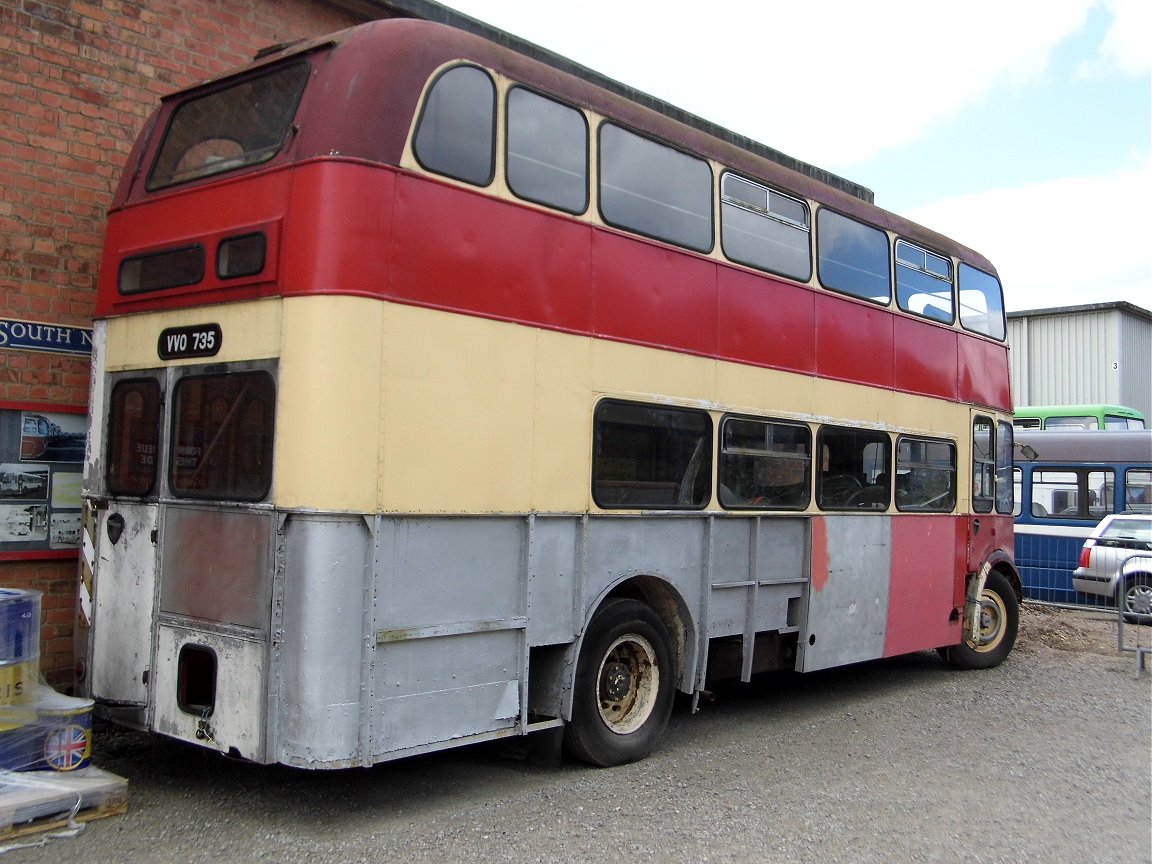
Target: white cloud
[1059, 243]
[833, 82]
[1125, 45]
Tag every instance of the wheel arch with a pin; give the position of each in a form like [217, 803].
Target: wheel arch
[666, 601]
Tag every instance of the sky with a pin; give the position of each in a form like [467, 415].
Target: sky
[1020, 128]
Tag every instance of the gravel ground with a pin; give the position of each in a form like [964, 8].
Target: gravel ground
[1046, 759]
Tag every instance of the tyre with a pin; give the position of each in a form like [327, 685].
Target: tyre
[624, 686]
[1136, 600]
[999, 622]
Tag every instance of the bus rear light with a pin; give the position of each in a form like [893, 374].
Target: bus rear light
[241, 256]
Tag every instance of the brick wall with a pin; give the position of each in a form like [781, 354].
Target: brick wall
[77, 81]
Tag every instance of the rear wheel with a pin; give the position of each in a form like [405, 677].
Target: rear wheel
[624, 686]
[1136, 600]
[999, 621]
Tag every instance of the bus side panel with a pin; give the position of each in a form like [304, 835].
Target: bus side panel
[448, 629]
[319, 653]
[842, 326]
[983, 373]
[848, 599]
[454, 250]
[744, 318]
[922, 592]
[925, 358]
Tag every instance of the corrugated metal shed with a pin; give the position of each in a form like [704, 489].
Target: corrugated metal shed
[1100, 353]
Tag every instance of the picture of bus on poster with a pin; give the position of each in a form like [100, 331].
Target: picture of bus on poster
[41, 450]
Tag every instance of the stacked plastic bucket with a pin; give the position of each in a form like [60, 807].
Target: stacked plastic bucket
[40, 729]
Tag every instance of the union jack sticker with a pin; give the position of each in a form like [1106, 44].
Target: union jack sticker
[68, 747]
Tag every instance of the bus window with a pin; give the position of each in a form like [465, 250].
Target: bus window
[547, 151]
[923, 282]
[655, 190]
[243, 125]
[764, 465]
[457, 132]
[222, 436]
[852, 257]
[1071, 422]
[762, 228]
[649, 456]
[981, 302]
[1004, 453]
[1138, 490]
[1078, 493]
[983, 466]
[854, 469]
[925, 475]
[133, 437]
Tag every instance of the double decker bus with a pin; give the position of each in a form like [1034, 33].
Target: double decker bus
[442, 394]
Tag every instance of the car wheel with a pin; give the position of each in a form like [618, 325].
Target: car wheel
[1136, 601]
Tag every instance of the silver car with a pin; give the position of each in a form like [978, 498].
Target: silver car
[1117, 540]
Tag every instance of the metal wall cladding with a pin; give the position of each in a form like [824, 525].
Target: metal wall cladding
[1082, 355]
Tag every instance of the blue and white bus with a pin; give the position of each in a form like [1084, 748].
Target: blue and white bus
[1065, 483]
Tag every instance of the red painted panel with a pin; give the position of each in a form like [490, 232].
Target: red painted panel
[984, 378]
[925, 357]
[766, 321]
[646, 293]
[821, 561]
[462, 250]
[854, 341]
[921, 590]
[337, 235]
[203, 215]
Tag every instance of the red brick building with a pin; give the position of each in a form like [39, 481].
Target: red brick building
[77, 81]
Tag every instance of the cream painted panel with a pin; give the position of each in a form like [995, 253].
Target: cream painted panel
[251, 331]
[327, 428]
[458, 426]
[562, 437]
[631, 371]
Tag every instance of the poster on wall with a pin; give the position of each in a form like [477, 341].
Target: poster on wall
[41, 462]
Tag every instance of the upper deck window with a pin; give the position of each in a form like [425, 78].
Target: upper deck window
[547, 151]
[765, 229]
[923, 282]
[655, 190]
[852, 257]
[981, 302]
[242, 125]
[457, 132]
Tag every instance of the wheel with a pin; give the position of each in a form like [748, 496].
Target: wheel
[624, 686]
[1137, 599]
[999, 622]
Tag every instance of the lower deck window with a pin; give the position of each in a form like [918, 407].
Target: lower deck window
[651, 457]
[222, 436]
[133, 437]
[854, 473]
[925, 475]
[764, 465]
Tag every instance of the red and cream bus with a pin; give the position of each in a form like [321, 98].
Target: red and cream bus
[442, 394]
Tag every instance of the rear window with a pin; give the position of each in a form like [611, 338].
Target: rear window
[1128, 529]
[242, 125]
[222, 436]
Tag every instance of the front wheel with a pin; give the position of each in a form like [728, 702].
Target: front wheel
[998, 624]
[624, 686]
[1136, 600]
